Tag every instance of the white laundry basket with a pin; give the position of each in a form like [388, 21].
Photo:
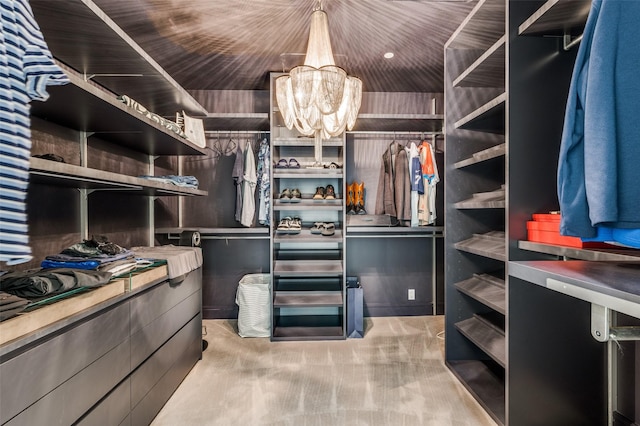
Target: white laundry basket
[254, 305]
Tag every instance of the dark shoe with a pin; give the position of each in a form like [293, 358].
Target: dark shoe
[319, 195]
[330, 193]
[332, 165]
[282, 164]
[293, 164]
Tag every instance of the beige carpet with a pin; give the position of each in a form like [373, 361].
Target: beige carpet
[394, 376]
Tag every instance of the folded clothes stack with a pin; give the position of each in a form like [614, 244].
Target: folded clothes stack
[97, 254]
[168, 124]
[183, 181]
[35, 283]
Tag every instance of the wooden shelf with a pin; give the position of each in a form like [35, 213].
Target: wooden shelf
[491, 245]
[223, 232]
[236, 121]
[490, 117]
[487, 387]
[83, 106]
[595, 254]
[393, 122]
[484, 200]
[62, 174]
[307, 173]
[302, 268]
[486, 336]
[308, 327]
[557, 17]
[309, 204]
[487, 290]
[482, 27]
[82, 36]
[304, 141]
[307, 333]
[392, 231]
[305, 236]
[487, 70]
[307, 299]
[484, 155]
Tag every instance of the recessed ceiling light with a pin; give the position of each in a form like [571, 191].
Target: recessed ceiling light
[388, 55]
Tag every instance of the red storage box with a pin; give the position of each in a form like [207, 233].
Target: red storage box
[547, 217]
[545, 228]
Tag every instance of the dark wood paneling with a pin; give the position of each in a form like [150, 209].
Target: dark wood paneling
[225, 263]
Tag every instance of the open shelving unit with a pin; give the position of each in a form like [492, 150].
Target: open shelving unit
[78, 34]
[475, 237]
[308, 278]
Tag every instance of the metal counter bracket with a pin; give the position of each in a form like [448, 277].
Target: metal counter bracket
[601, 328]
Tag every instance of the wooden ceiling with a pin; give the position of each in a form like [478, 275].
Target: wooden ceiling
[234, 44]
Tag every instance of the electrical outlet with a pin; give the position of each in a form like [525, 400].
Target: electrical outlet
[411, 295]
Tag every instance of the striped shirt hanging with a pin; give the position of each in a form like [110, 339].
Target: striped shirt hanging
[26, 68]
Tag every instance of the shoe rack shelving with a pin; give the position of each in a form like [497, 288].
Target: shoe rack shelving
[475, 237]
[307, 274]
[506, 79]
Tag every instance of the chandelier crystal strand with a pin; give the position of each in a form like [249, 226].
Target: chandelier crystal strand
[319, 98]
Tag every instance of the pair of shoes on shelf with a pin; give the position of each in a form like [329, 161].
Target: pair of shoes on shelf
[328, 193]
[324, 228]
[289, 225]
[284, 164]
[355, 198]
[290, 196]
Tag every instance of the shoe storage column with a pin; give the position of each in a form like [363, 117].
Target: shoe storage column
[307, 239]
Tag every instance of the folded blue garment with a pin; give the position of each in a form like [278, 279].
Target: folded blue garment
[628, 237]
[84, 264]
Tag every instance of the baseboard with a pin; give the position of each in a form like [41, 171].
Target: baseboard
[212, 312]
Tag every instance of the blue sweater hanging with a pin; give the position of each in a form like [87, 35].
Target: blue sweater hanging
[599, 163]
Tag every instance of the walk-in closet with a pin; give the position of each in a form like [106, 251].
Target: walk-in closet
[379, 212]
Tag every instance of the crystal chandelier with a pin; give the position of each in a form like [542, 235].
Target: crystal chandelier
[319, 98]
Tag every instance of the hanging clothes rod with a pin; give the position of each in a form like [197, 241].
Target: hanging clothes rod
[395, 135]
[379, 132]
[236, 132]
[568, 41]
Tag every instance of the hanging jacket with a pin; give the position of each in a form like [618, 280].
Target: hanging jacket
[427, 201]
[394, 186]
[600, 150]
